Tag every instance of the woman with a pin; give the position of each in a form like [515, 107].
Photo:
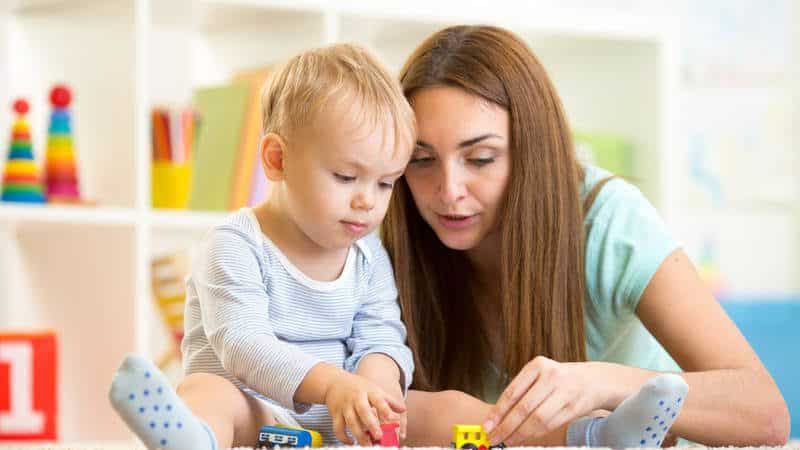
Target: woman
[522, 272]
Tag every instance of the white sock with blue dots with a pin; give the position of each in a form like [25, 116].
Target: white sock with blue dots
[143, 397]
[642, 420]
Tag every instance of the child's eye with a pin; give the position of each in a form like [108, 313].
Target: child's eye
[344, 178]
[385, 185]
[480, 162]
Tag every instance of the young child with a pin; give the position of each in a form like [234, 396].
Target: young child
[293, 302]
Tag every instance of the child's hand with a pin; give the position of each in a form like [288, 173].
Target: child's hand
[350, 400]
[397, 393]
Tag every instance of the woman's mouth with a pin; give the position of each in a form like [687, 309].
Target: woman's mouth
[457, 221]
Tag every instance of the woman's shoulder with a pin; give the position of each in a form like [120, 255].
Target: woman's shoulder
[626, 242]
[614, 196]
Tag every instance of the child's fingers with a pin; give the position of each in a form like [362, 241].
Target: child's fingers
[339, 428]
[370, 420]
[403, 425]
[398, 405]
[383, 409]
[356, 429]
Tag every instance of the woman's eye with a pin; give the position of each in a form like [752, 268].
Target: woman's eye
[421, 160]
[480, 162]
[344, 178]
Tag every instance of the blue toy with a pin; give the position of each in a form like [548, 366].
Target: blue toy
[270, 436]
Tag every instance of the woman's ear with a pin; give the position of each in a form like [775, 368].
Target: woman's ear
[273, 149]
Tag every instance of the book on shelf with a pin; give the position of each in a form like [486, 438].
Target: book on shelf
[249, 181]
[223, 110]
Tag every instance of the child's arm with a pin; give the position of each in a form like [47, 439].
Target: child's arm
[385, 372]
[378, 332]
[234, 307]
[433, 414]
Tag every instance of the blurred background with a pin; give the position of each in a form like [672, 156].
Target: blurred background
[139, 126]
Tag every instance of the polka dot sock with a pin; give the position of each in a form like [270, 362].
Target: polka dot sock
[144, 399]
[642, 420]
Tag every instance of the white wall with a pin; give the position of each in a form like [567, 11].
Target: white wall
[738, 110]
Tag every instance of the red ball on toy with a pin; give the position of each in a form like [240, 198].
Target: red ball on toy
[60, 96]
[21, 106]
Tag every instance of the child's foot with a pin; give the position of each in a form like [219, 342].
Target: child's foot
[641, 420]
[143, 397]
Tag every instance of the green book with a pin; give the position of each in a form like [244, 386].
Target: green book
[222, 112]
[611, 152]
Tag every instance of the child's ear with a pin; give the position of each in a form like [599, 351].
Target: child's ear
[273, 149]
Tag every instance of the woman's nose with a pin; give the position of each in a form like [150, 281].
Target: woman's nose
[451, 185]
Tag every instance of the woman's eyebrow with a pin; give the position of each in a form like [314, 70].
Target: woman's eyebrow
[475, 140]
[424, 145]
[463, 144]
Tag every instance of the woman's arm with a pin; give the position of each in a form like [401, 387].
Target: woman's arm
[431, 416]
[732, 398]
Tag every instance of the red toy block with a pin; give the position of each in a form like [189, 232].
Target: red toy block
[390, 436]
[28, 394]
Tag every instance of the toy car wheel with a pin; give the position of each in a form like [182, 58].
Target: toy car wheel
[499, 446]
[469, 447]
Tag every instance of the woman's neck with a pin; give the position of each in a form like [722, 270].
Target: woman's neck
[485, 261]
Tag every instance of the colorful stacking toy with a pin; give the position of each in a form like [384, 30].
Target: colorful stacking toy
[62, 173]
[21, 180]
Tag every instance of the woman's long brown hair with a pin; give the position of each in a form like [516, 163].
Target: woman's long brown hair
[542, 284]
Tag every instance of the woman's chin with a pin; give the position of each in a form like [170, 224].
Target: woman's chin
[456, 241]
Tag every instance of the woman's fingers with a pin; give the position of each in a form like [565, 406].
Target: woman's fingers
[520, 411]
[512, 394]
[542, 418]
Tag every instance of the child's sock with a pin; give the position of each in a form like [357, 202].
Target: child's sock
[143, 397]
[642, 420]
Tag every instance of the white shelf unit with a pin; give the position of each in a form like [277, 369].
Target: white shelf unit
[84, 271]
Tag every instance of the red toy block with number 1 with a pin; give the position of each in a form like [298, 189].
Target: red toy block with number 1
[28, 394]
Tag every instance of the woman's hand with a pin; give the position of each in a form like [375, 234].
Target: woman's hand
[356, 403]
[544, 396]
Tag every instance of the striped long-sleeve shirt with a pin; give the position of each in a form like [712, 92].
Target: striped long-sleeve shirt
[252, 317]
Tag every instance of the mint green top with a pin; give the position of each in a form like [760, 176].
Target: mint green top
[626, 243]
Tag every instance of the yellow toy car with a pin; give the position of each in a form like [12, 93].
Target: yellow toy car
[472, 437]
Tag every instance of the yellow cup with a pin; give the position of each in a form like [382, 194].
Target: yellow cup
[171, 185]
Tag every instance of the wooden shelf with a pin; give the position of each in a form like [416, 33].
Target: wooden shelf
[58, 214]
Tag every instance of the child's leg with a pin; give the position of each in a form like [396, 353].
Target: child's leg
[431, 416]
[232, 415]
[642, 420]
[209, 413]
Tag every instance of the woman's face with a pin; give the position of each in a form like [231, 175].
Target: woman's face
[460, 167]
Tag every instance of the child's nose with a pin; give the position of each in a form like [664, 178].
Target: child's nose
[364, 200]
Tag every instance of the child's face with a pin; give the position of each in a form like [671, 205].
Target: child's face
[339, 174]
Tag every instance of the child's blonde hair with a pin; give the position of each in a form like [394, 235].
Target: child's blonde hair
[301, 87]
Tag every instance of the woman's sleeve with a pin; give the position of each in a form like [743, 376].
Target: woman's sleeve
[626, 243]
